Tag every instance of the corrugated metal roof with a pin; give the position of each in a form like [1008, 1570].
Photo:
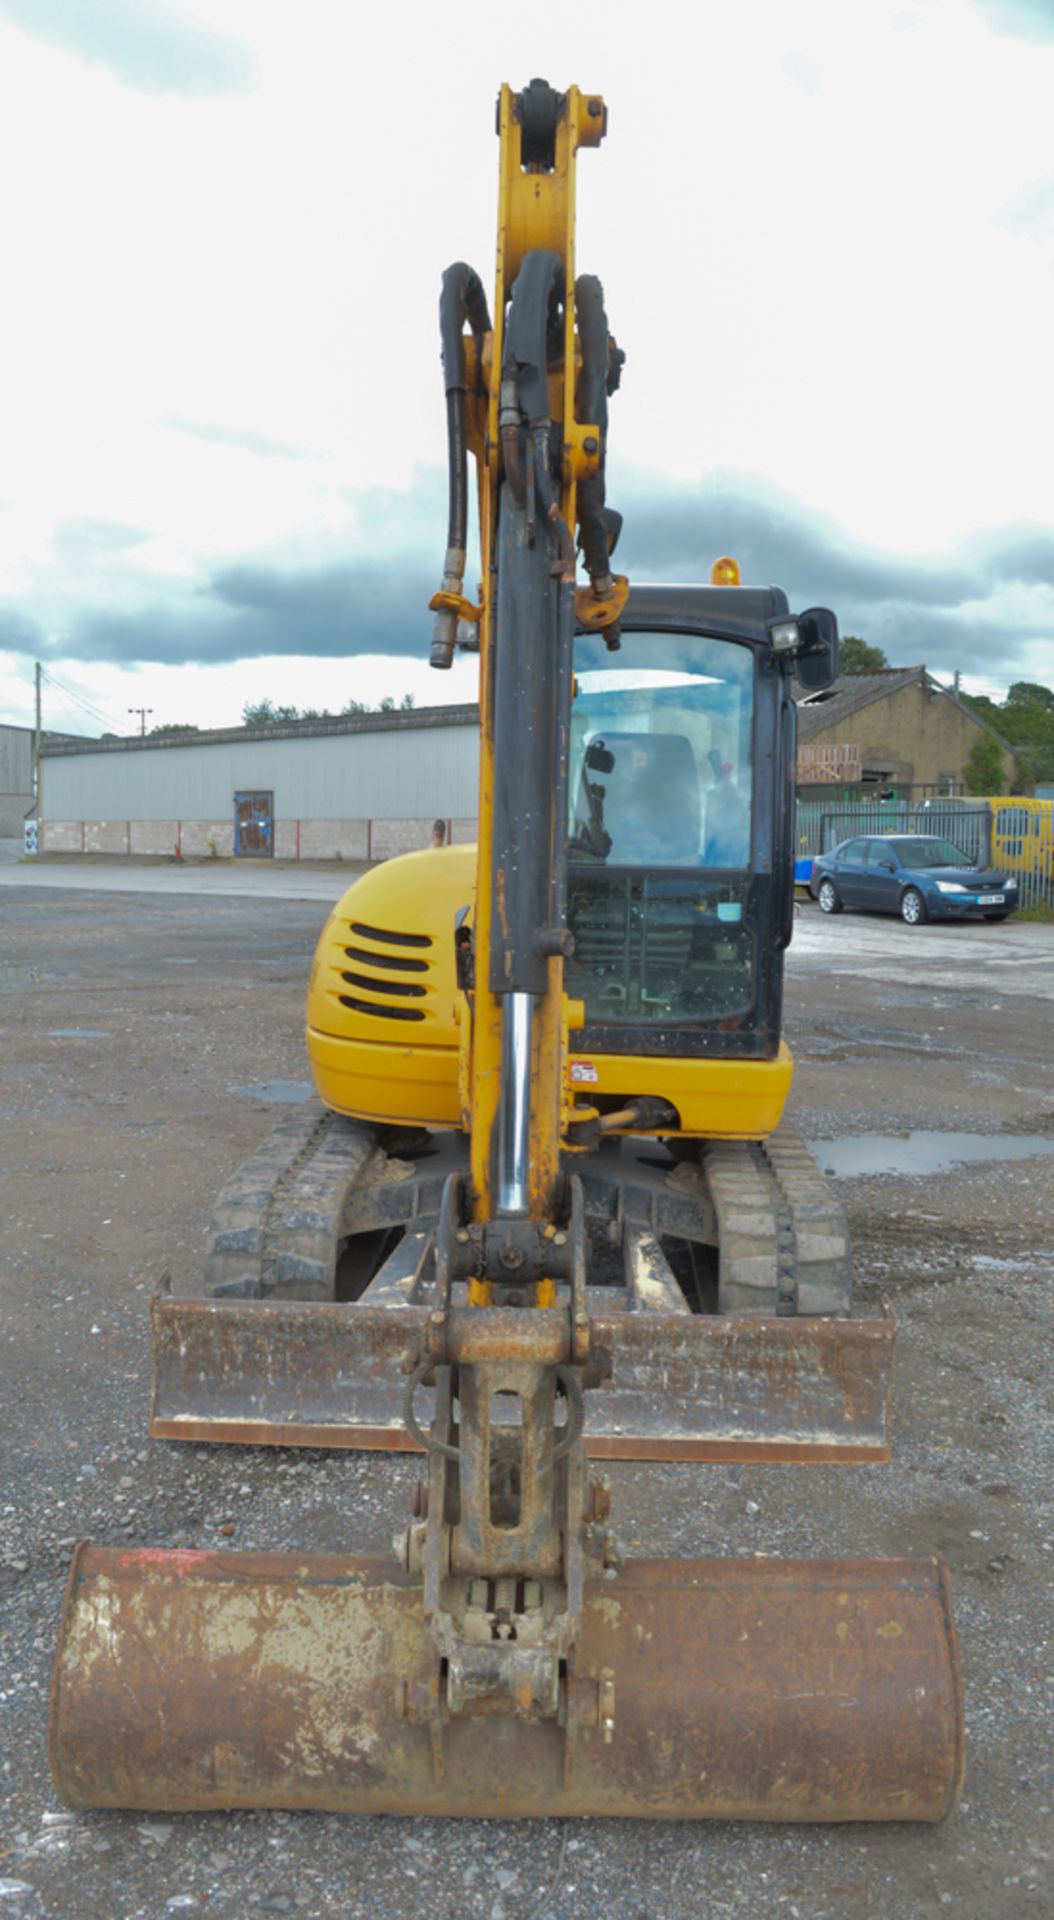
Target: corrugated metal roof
[399, 720]
[852, 691]
[849, 693]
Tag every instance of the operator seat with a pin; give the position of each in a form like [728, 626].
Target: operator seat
[652, 807]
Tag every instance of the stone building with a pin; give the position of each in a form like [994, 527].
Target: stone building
[898, 731]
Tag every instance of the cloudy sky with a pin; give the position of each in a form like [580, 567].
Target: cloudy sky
[826, 234]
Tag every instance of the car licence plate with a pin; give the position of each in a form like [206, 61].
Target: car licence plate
[991, 899]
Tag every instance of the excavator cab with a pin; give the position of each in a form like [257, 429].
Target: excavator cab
[679, 843]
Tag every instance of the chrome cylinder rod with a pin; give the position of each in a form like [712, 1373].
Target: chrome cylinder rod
[514, 1114]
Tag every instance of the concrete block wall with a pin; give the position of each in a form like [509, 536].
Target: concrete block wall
[153, 836]
[389, 837]
[60, 836]
[327, 839]
[207, 839]
[105, 836]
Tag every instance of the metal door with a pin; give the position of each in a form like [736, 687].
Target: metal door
[254, 824]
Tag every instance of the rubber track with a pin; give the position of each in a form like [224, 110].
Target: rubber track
[276, 1226]
[279, 1222]
[783, 1237]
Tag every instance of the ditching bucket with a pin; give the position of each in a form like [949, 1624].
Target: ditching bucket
[791, 1690]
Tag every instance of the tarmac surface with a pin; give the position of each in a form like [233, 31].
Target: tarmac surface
[133, 1005]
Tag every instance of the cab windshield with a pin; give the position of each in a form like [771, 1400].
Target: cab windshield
[659, 828]
[660, 752]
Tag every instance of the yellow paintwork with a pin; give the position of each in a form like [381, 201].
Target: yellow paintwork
[535, 209]
[407, 1072]
[1022, 834]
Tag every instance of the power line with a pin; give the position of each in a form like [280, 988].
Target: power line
[94, 713]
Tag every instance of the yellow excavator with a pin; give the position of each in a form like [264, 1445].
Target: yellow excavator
[545, 1208]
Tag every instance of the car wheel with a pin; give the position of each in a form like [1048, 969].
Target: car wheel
[829, 901]
[913, 907]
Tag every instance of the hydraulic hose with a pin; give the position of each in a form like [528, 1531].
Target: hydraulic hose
[601, 371]
[462, 302]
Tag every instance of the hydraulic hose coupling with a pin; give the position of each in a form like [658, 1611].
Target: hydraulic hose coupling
[444, 633]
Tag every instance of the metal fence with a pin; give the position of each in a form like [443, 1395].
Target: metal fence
[1014, 835]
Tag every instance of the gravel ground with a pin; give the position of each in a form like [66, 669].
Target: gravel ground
[126, 1021]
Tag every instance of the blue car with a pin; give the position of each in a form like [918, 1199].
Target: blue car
[916, 875]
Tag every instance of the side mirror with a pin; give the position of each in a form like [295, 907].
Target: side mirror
[816, 664]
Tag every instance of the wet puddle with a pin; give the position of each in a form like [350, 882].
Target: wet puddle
[922, 1153]
[285, 1093]
[79, 1033]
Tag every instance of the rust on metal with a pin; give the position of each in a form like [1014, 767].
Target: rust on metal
[682, 1387]
[744, 1689]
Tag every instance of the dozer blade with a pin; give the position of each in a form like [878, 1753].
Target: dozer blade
[683, 1386]
[742, 1689]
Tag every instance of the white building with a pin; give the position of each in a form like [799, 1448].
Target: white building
[361, 787]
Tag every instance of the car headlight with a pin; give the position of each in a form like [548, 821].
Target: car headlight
[949, 886]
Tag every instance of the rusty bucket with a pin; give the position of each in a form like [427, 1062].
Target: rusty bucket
[742, 1689]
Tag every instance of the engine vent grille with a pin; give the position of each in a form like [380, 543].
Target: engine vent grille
[392, 962]
[379, 980]
[406, 989]
[381, 1013]
[389, 939]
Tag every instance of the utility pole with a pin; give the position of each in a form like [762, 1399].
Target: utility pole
[142, 712]
[36, 740]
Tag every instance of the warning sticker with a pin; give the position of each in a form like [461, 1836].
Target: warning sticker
[584, 1070]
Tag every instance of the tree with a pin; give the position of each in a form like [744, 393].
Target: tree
[174, 726]
[855, 656]
[264, 713]
[1028, 693]
[983, 768]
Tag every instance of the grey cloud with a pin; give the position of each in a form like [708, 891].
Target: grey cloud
[253, 612]
[82, 536]
[150, 45]
[916, 610]
[687, 530]
[944, 611]
[246, 439]
[807, 73]
[1031, 208]
[19, 634]
[1027, 19]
